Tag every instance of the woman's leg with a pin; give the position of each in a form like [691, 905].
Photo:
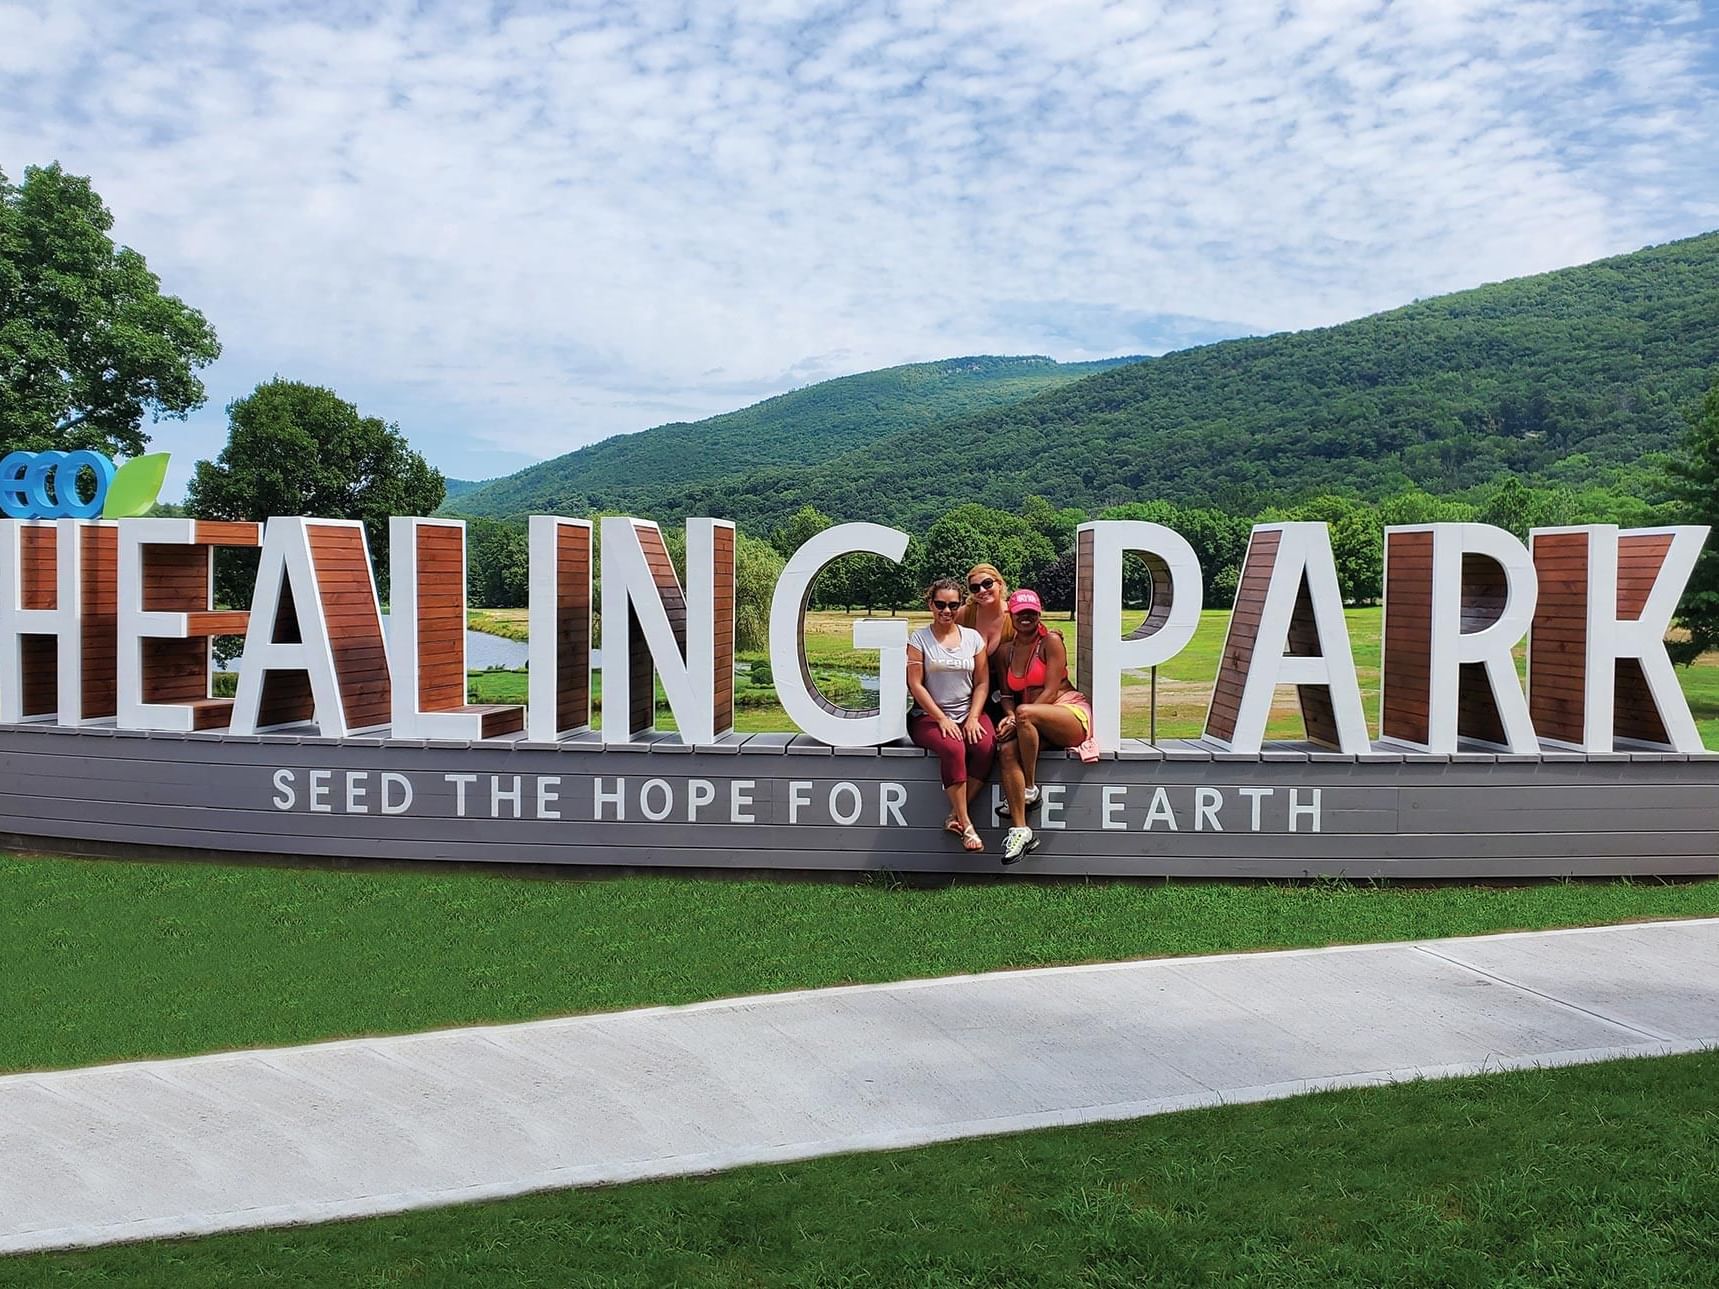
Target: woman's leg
[1014, 781]
[951, 764]
[979, 758]
[1045, 723]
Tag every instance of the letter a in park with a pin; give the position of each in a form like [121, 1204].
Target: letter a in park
[1288, 629]
[1170, 621]
[652, 626]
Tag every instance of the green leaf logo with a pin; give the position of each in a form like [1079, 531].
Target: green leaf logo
[135, 486]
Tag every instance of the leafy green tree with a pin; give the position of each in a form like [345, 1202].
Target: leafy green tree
[1219, 541]
[498, 564]
[1695, 480]
[1357, 541]
[1055, 526]
[757, 565]
[800, 527]
[1418, 508]
[1511, 507]
[296, 449]
[88, 344]
[973, 534]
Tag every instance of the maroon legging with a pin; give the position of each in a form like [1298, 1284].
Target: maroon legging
[958, 759]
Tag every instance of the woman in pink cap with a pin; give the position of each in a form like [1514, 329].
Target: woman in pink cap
[1040, 708]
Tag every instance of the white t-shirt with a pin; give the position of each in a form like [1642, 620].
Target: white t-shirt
[949, 672]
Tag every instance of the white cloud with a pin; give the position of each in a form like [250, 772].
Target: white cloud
[521, 233]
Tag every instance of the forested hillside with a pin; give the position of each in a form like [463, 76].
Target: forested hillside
[461, 487]
[1565, 378]
[802, 428]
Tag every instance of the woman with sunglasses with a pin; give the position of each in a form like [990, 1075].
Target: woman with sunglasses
[1040, 708]
[948, 675]
[984, 611]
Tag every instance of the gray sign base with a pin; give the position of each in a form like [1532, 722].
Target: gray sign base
[778, 802]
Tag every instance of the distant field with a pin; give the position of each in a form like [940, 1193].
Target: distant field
[1184, 683]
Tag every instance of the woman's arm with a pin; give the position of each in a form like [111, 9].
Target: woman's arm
[1005, 696]
[1056, 666]
[981, 690]
[922, 695]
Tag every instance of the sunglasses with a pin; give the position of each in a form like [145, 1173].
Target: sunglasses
[948, 606]
[1026, 613]
[984, 585]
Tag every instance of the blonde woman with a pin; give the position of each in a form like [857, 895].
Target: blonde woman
[984, 611]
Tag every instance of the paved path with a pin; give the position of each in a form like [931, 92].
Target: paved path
[250, 1139]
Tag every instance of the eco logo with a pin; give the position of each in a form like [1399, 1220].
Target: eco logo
[52, 485]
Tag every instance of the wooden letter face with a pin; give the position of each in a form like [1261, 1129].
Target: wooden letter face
[1170, 623]
[427, 636]
[651, 627]
[166, 619]
[560, 635]
[58, 620]
[1288, 629]
[1458, 597]
[318, 652]
[1597, 666]
[806, 707]
[37, 627]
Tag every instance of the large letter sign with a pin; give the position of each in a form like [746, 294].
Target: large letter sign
[1170, 622]
[316, 651]
[167, 619]
[686, 637]
[1288, 629]
[1597, 666]
[427, 636]
[559, 678]
[1458, 599]
[806, 707]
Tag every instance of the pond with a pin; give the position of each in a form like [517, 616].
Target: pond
[483, 651]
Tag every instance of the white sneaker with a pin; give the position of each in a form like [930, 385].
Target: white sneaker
[1032, 800]
[1019, 842]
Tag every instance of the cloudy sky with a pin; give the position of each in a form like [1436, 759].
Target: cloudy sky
[519, 229]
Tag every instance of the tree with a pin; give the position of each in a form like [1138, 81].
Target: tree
[1695, 481]
[88, 343]
[295, 449]
[803, 525]
[757, 565]
[498, 564]
[973, 534]
[1219, 541]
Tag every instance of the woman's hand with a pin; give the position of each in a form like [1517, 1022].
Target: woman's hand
[948, 728]
[1006, 725]
[971, 728]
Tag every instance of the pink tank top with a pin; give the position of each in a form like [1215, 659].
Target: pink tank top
[1035, 675]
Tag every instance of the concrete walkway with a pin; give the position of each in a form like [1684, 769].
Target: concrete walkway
[335, 1130]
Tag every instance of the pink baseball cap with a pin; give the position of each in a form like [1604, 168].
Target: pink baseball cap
[1024, 599]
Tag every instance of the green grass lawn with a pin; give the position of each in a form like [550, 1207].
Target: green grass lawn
[105, 961]
[1184, 683]
[1585, 1176]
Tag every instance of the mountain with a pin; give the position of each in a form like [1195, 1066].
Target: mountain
[796, 429]
[460, 487]
[1570, 377]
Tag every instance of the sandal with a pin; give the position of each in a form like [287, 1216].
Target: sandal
[971, 841]
[952, 825]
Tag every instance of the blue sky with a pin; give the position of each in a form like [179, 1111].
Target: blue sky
[519, 230]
